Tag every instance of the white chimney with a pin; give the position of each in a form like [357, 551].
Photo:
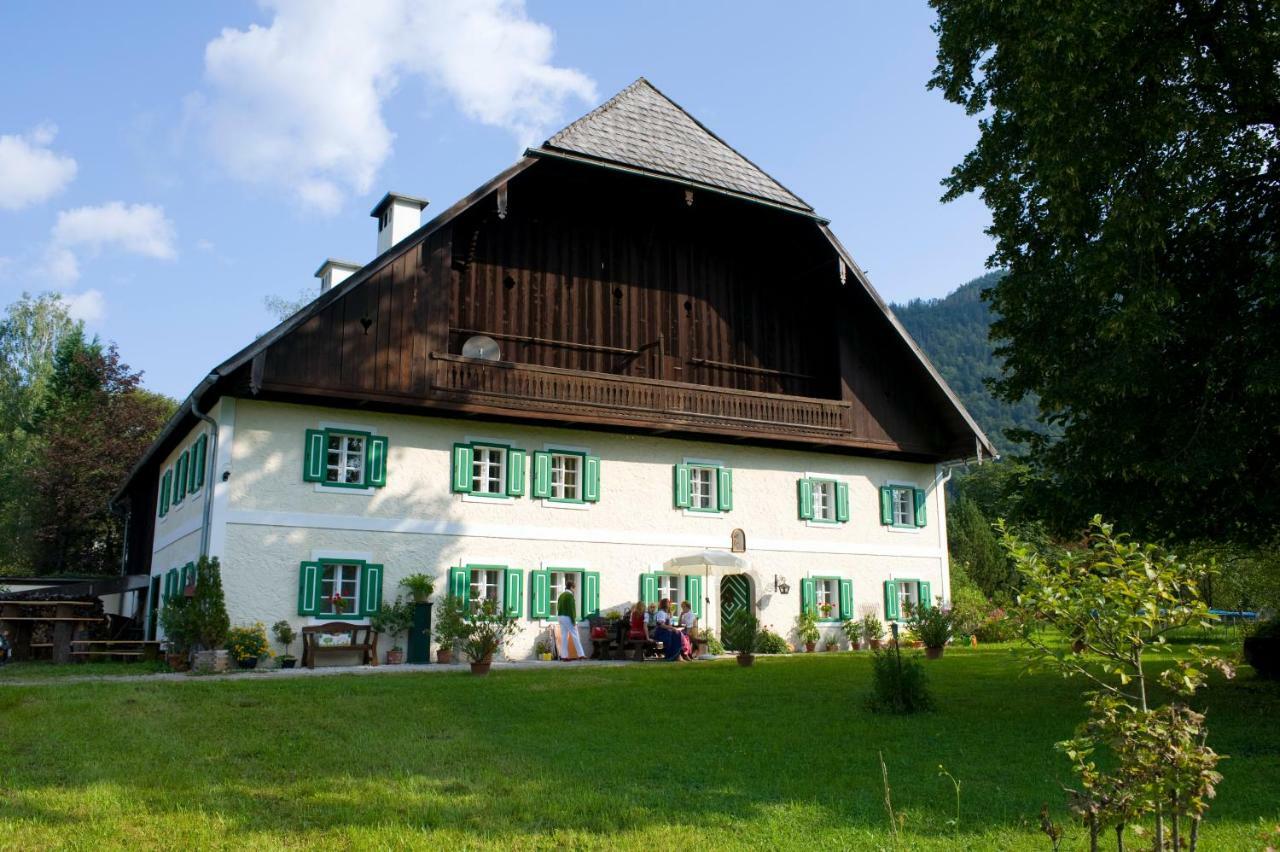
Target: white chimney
[398, 216]
[333, 272]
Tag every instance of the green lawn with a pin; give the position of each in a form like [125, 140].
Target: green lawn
[705, 755]
[41, 670]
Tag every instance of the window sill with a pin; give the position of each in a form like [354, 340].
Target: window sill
[548, 503]
[490, 499]
[354, 491]
[907, 530]
[702, 513]
[826, 525]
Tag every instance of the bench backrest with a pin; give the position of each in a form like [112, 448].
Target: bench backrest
[336, 627]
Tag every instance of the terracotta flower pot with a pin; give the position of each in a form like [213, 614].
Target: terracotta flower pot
[395, 657]
[444, 656]
[855, 645]
[831, 648]
[480, 668]
[809, 646]
[917, 644]
[874, 643]
[177, 662]
[746, 659]
[933, 653]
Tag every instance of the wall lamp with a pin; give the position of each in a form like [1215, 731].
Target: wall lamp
[780, 586]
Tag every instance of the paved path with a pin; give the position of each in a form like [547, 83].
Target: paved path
[326, 671]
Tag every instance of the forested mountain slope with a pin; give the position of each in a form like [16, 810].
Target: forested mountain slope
[953, 332]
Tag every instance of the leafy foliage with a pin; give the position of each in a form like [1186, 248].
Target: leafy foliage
[248, 642]
[742, 632]
[807, 628]
[485, 627]
[1117, 601]
[1129, 156]
[209, 622]
[285, 635]
[899, 684]
[772, 643]
[393, 619]
[449, 627]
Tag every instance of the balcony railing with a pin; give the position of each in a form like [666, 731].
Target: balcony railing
[527, 386]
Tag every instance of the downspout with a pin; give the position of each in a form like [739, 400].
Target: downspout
[211, 460]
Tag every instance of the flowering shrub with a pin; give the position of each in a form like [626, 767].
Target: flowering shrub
[248, 643]
[771, 643]
[997, 627]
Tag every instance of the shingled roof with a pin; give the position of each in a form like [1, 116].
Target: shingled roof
[642, 128]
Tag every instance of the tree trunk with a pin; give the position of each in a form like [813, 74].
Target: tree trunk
[1093, 833]
[1120, 837]
[1195, 833]
[1159, 845]
[1173, 815]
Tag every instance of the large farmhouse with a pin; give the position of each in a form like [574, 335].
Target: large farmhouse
[632, 358]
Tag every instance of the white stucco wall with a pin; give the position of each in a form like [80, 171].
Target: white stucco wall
[273, 520]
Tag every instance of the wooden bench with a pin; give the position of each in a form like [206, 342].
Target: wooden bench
[366, 646]
[146, 649]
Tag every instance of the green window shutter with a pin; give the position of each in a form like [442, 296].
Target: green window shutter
[513, 598]
[309, 588]
[591, 480]
[808, 596]
[725, 491]
[370, 589]
[649, 589]
[590, 593]
[460, 583]
[886, 506]
[680, 474]
[180, 477]
[891, 600]
[693, 593]
[200, 458]
[846, 600]
[170, 584]
[541, 474]
[375, 457]
[165, 482]
[920, 507]
[462, 463]
[515, 472]
[926, 595]
[804, 493]
[313, 462]
[188, 576]
[842, 502]
[539, 594]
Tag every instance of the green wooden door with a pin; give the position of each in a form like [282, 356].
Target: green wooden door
[735, 597]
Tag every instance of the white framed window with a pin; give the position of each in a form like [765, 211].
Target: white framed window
[558, 580]
[566, 477]
[669, 588]
[904, 507]
[486, 585]
[908, 595]
[824, 500]
[344, 458]
[827, 598]
[489, 470]
[703, 485]
[339, 581]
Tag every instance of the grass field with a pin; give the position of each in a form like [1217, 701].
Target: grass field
[703, 756]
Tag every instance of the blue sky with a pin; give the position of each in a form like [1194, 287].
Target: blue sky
[167, 166]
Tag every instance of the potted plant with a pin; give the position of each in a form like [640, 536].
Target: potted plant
[393, 620]
[449, 628]
[175, 621]
[285, 635]
[832, 644]
[208, 613]
[852, 631]
[930, 626]
[742, 634]
[486, 627]
[542, 648]
[872, 630]
[248, 644]
[807, 630]
[420, 586]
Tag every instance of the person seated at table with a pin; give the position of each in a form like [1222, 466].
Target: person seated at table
[689, 629]
[5, 649]
[639, 629]
[665, 633]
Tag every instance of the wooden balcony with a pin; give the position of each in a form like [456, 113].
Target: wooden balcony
[524, 386]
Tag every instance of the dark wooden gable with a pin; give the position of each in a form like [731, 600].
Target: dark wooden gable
[624, 302]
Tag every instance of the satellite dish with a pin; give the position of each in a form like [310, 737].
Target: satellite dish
[483, 347]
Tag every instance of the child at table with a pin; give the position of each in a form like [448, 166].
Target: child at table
[4, 647]
[689, 626]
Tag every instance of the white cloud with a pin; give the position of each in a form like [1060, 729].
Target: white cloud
[298, 103]
[89, 306]
[29, 171]
[140, 229]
